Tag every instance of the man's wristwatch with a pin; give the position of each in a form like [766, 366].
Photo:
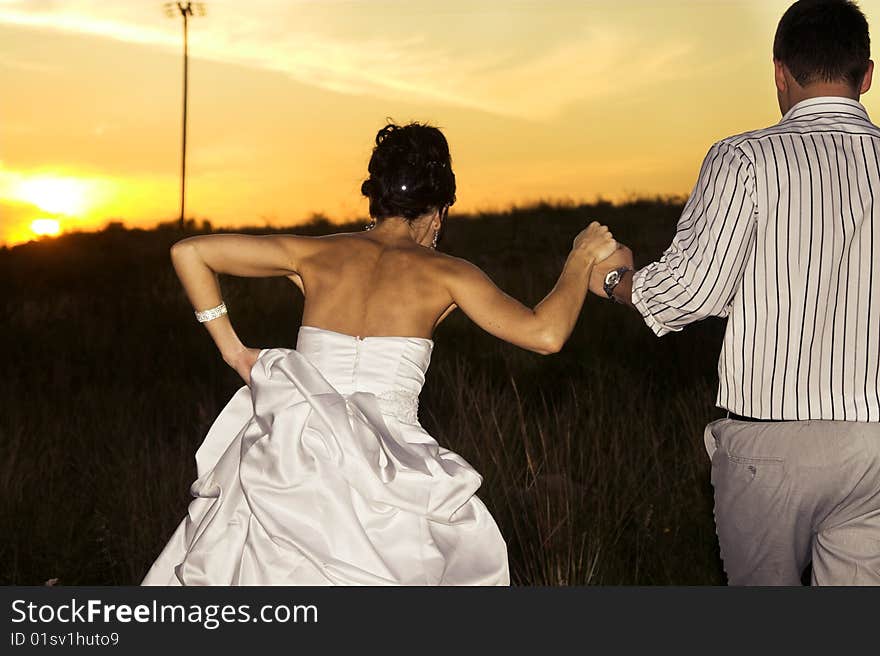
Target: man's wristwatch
[612, 279]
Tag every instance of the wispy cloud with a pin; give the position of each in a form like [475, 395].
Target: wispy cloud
[400, 51]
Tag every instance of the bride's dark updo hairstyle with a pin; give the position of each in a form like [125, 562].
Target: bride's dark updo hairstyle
[410, 172]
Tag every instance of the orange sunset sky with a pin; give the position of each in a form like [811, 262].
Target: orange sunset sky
[539, 99]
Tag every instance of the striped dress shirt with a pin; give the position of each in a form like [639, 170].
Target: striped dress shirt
[781, 235]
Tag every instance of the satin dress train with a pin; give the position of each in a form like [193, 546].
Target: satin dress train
[319, 473]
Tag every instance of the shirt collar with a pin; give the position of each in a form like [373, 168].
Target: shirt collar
[827, 105]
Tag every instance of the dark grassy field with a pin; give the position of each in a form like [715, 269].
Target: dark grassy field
[592, 459]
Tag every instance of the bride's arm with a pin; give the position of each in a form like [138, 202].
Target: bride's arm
[197, 261]
[546, 327]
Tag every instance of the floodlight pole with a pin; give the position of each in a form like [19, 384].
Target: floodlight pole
[185, 13]
[186, 10]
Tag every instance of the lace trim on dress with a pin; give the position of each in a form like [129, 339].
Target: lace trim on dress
[404, 406]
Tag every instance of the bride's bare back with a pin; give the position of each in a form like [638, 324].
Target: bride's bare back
[372, 284]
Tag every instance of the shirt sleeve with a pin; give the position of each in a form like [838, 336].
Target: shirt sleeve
[700, 272]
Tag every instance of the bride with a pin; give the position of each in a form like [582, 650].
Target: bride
[317, 471]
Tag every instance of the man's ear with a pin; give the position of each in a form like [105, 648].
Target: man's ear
[866, 81]
[779, 76]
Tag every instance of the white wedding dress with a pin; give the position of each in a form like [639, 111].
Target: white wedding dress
[319, 473]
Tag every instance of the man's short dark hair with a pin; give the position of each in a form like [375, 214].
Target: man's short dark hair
[824, 41]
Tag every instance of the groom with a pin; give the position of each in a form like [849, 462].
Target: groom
[781, 236]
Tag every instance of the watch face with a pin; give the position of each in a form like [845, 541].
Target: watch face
[612, 277]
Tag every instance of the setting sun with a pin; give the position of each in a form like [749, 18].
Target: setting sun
[45, 227]
[54, 194]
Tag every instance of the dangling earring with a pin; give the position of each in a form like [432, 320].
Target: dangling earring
[442, 215]
[370, 225]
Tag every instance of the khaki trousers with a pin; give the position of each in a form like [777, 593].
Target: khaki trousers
[788, 493]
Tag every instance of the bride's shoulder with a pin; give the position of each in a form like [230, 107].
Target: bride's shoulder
[450, 265]
[317, 242]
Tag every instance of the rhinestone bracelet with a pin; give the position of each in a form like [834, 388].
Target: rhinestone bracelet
[212, 313]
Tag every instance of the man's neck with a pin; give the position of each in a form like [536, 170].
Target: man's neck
[823, 90]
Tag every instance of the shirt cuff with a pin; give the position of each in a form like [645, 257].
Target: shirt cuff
[640, 302]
